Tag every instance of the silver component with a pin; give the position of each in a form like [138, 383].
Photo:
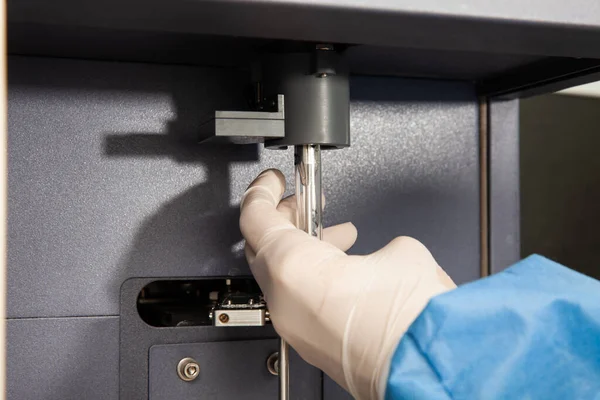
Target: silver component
[188, 369]
[250, 305]
[308, 189]
[243, 317]
[244, 127]
[239, 309]
[309, 219]
[284, 370]
[273, 364]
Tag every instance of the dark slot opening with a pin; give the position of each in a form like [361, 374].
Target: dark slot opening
[177, 303]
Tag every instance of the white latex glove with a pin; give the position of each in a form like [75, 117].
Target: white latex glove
[343, 314]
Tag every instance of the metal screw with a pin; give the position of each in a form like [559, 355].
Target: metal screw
[188, 369]
[326, 47]
[224, 318]
[273, 364]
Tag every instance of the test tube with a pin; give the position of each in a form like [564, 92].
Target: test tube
[307, 162]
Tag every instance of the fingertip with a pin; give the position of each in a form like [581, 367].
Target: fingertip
[258, 208]
[275, 182]
[273, 176]
[271, 182]
[280, 176]
[351, 230]
[353, 226]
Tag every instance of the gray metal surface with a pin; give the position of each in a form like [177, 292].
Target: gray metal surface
[192, 49]
[245, 127]
[63, 358]
[107, 183]
[332, 390]
[105, 186]
[548, 27]
[228, 370]
[412, 169]
[504, 201]
[137, 337]
[317, 96]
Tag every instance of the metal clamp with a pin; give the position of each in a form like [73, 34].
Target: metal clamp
[244, 127]
[238, 309]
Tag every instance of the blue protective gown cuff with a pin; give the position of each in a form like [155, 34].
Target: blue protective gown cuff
[529, 332]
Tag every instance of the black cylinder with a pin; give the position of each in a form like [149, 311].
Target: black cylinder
[316, 95]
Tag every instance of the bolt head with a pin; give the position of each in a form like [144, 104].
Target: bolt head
[188, 369]
[191, 370]
[224, 318]
[273, 364]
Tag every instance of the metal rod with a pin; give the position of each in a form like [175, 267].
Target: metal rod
[484, 201]
[308, 189]
[284, 370]
[307, 160]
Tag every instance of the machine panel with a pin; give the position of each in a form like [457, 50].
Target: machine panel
[108, 183]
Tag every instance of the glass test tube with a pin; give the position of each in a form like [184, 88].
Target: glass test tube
[307, 160]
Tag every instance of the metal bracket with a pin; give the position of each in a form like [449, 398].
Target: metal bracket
[238, 309]
[245, 127]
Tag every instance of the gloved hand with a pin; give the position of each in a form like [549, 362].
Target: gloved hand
[343, 314]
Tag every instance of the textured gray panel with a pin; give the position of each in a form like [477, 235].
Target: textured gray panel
[63, 358]
[137, 337]
[105, 185]
[191, 49]
[412, 169]
[544, 27]
[504, 184]
[333, 391]
[228, 371]
[579, 12]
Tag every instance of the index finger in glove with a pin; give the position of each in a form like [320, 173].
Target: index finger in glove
[259, 216]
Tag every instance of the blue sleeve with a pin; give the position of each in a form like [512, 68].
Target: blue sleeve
[530, 332]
